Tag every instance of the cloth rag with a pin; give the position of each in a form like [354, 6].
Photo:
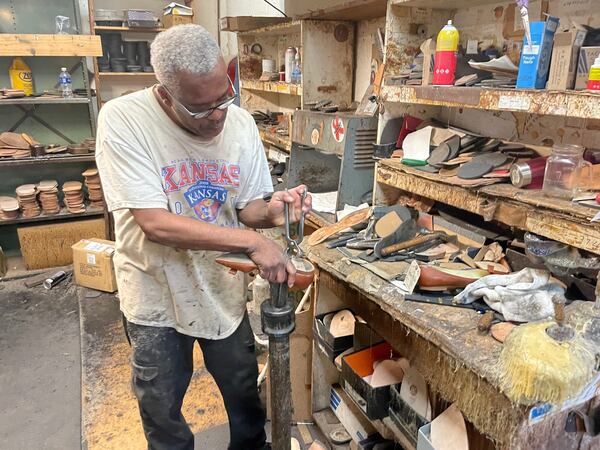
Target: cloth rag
[524, 296]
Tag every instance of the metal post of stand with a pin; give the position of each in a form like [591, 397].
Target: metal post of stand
[278, 322]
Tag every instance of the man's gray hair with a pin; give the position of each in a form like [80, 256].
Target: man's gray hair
[183, 48]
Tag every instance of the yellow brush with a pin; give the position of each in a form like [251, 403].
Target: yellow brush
[545, 362]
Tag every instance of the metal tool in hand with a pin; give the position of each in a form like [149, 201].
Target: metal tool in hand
[293, 244]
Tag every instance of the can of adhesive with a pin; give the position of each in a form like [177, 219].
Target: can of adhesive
[529, 174]
[290, 55]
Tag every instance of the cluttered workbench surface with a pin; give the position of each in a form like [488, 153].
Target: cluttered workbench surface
[443, 343]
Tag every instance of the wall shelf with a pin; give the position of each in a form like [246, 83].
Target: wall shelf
[44, 101]
[526, 209]
[284, 142]
[278, 87]
[555, 103]
[8, 162]
[137, 30]
[63, 214]
[49, 45]
[126, 74]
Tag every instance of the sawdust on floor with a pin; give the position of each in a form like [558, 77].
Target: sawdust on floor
[110, 418]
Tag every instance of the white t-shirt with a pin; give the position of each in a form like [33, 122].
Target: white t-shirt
[146, 161]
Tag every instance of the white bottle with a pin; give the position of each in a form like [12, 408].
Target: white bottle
[64, 79]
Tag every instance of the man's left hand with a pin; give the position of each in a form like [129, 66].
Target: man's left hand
[276, 207]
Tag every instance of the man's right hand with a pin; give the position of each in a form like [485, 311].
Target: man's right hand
[274, 265]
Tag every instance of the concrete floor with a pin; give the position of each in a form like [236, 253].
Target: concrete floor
[40, 379]
[40, 372]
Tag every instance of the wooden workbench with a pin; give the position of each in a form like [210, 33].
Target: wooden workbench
[443, 344]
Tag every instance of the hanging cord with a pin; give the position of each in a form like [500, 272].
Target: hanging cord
[275, 7]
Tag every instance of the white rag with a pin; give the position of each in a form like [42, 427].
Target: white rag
[523, 296]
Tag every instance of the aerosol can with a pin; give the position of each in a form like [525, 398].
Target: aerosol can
[445, 55]
[290, 57]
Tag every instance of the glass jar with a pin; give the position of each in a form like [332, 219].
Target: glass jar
[564, 169]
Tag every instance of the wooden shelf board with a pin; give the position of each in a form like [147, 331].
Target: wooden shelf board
[43, 100]
[525, 209]
[350, 10]
[278, 87]
[284, 142]
[138, 30]
[50, 45]
[275, 30]
[63, 214]
[126, 74]
[556, 103]
[443, 4]
[7, 162]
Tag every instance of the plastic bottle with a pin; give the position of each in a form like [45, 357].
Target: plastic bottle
[64, 79]
[297, 73]
[445, 55]
[594, 78]
[21, 76]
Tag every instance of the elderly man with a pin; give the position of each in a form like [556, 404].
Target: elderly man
[180, 166]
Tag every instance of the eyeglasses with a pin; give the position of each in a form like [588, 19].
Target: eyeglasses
[203, 114]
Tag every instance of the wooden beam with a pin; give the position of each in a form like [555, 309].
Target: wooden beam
[49, 45]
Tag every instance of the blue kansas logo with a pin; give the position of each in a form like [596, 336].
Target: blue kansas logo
[206, 200]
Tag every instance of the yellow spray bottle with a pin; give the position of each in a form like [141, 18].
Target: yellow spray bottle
[20, 76]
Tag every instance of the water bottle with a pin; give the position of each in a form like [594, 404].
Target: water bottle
[64, 79]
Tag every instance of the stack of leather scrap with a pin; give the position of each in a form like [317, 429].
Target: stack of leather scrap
[457, 156]
[11, 93]
[9, 208]
[94, 187]
[48, 190]
[27, 198]
[73, 192]
[15, 145]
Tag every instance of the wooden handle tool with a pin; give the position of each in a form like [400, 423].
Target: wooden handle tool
[411, 243]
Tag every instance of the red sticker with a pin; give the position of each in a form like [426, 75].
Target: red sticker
[337, 129]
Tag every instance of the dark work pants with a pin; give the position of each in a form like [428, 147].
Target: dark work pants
[162, 366]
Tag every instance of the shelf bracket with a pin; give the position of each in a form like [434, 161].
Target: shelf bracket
[31, 113]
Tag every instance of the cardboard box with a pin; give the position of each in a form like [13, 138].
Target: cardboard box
[374, 402]
[170, 20]
[408, 421]
[356, 424]
[565, 56]
[330, 345]
[587, 55]
[535, 58]
[93, 264]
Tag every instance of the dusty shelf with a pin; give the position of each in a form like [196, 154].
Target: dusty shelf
[126, 74]
[278, 87]
[284, 142]
[63, 214]
[525, 209]
[50, 45]
[555, 103]
[7, 162]
[443, 4]
[43, 100]
[138, 30]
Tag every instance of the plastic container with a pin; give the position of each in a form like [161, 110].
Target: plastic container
[564, 171]
[21, 76]
[593, 83]
[445, 55]
[64, 80]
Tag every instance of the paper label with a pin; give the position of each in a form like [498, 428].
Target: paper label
[472, 46]
[541, 411]
[91, 258]
[95, 246]
[513, 102]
